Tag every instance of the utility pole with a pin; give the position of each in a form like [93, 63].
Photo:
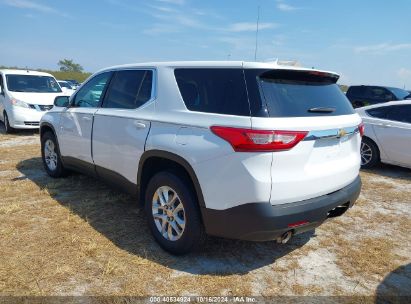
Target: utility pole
[256, 34]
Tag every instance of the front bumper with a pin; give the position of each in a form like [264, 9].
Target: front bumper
[23, 118]
[263, 221]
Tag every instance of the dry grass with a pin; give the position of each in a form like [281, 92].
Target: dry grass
[76, 236]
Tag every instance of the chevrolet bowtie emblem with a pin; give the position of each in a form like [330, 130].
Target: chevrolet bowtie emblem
[341, 133]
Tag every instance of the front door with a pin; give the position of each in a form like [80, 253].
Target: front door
[76, 121]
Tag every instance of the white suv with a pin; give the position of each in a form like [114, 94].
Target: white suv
[25, 96]
[252, 151]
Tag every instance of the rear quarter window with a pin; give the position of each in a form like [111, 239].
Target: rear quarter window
[380, 112]
[288, 93]
[213, 90]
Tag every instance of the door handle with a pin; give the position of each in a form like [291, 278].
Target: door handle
[86, 118]
[140, 125]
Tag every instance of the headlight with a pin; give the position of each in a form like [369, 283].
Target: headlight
[19, 103]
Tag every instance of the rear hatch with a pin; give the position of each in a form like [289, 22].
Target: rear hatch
[311, 103]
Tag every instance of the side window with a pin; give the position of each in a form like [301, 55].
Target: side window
[379, 93]
[89, 96]
[1, 84]
[400, 113]
[356, 91]
[380, 112]
[129, 89]
[221, 91]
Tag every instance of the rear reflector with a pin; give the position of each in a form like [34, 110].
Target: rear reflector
[297, 224]
[248, 140]
[361, 128]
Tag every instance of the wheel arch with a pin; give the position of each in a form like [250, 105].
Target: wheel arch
[47, 127]
[373, 141]
[153, 161]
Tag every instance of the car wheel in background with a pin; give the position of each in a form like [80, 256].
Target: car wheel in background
[370, 155]
[7, 126]
[173, 214]
[50, 155]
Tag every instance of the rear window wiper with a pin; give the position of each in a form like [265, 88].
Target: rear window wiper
[321, 110]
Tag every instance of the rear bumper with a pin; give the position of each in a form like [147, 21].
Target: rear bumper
[263, 221]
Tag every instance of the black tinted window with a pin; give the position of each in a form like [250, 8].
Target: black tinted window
[90, 95]
[220, 91]
[129, 89]
[380, 112]
[356, 91]
[380, 94]
[296, 94]
[400, 113]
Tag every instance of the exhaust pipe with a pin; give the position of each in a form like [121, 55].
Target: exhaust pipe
[283, 239]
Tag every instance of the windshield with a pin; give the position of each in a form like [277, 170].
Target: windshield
[400, 93]
[64, 85]
[32, 84]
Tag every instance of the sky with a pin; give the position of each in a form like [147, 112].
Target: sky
[366, 42]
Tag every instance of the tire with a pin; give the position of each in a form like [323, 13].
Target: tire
[370, 154]
[7, 126]
[50, 155]
[182, 240]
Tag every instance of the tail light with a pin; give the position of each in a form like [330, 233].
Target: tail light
[361, 128]
[248, 140]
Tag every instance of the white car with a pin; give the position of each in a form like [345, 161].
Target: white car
[387, 136]
[24, 97]
[66, 87]
[252, 151]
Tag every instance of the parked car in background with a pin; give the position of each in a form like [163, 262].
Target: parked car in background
[66, 87]
[387, 136]
[25, 96]
[74, 83]
[365, 95]
[252, 151]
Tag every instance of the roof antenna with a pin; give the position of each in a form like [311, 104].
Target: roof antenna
[256, 34]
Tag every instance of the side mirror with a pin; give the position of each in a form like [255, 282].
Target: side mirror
[61, 101]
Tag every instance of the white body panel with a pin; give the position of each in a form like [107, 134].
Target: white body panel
[119, 138]
[314, 167]
[74, 133]
[393, 138]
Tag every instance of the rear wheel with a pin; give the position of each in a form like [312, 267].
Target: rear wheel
[173, 214]
[51, 156]
[7, 126]
[370, 155]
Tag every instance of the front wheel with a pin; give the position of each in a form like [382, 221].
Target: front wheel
[370, 154]
[173, 214]
[7, 126]
[50, 155]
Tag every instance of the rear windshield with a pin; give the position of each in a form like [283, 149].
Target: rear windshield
[32, 84]
[285, 93]
[220, 91]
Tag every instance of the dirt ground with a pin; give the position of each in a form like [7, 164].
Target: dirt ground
[76, 236]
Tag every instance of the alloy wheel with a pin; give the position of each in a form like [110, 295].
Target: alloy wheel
[366, 154]
[50, 155]
[168, 213]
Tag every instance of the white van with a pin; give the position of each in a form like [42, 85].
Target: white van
[25, 96]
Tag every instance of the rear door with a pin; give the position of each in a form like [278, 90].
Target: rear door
[76, 121]
[328, 158]
[394, 134]
[122, 124]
